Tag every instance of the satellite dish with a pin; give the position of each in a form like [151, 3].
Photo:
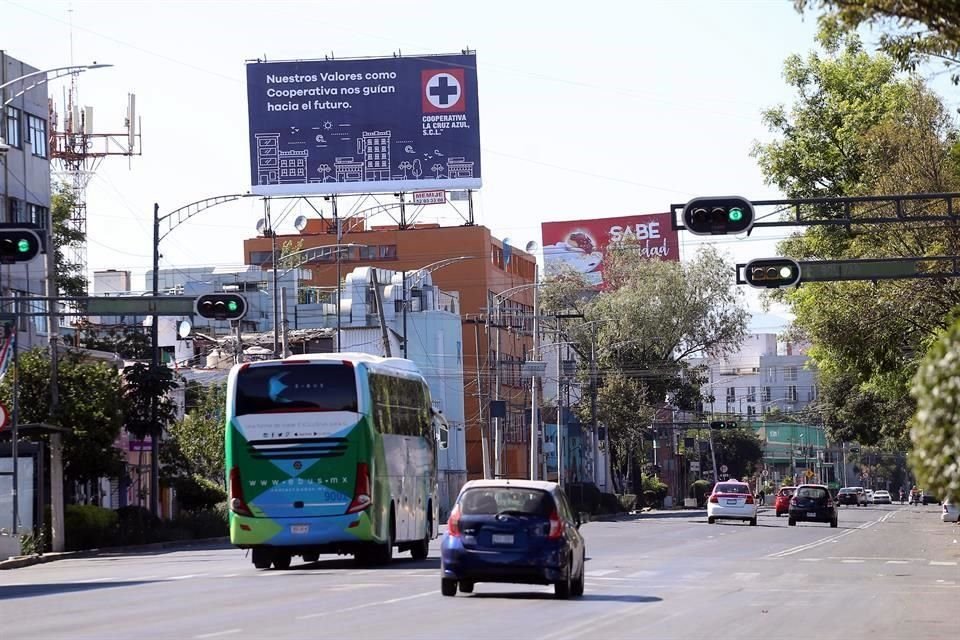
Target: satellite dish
[261, 223]
[532, 246]
[300, 223]
[183, 329]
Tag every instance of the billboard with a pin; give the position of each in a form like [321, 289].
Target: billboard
[367, 125]
[582, 244]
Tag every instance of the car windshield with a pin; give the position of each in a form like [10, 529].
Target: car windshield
[494, 500]
[732, 488]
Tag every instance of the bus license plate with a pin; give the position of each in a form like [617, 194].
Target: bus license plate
[502, 539]
[299, 528]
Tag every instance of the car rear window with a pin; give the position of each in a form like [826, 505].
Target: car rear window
[493, 500]
[811, 492]
[786, 492]
[732, 488]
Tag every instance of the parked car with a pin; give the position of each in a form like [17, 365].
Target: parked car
[782, 504]
[882, 497]
[869, 494]
[951, 512]
[514, 531]
[812, 503]
[732, 500]
[929, 498]
[854, 496]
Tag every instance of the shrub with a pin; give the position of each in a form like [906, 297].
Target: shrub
[136, 525]
[609, 503]
[195, 493]
[88, 526]
[206, 523]
[584, 498]
[628, 501]
[699, 490]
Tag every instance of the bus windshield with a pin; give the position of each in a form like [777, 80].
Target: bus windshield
[303, 387]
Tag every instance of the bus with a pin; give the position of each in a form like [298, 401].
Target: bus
[331, 454]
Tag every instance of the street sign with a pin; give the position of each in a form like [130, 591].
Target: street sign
[723, 468]
[694, 465]
[139, 305]
[764, 473]
[4, 416]
[437, 196]
[809, 474]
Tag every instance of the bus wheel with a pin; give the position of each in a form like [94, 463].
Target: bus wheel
[281, 560]
[421, 550]
[262, 558]
[384, 552]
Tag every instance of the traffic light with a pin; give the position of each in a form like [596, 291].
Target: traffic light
[772, 273]
[724, 424]
[221, 306]
[18, 245]
[718, 216]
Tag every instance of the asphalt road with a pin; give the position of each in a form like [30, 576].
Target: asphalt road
[886, 572]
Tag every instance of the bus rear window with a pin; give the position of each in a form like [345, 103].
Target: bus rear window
[299, 387]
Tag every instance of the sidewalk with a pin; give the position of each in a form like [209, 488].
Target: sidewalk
[25, 561]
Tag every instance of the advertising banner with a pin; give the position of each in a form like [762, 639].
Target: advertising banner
[582, 244]
[368, 125]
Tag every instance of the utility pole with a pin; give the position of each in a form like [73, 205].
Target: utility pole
[559, 443]
[58, 541]
[336, 221]
[403, 275]
[283, 321]
[154, 366]
[534, 413]
[497, 427]
[383, 323]
[484, 445]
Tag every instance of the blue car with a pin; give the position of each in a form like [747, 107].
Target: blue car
[514, 531]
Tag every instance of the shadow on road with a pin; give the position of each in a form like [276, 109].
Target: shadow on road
[346, 564]
[31, 590]
[588, 597]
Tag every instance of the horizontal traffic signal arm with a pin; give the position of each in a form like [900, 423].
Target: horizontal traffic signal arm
[846, 211]
[866, 269]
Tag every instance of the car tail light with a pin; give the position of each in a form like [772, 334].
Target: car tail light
[749, 499]
[237, 503]
[556, 526]
[361, 494]
[453, 522]
[714, 499]
[829, 502]
[793, 500]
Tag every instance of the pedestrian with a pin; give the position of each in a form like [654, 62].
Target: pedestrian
[761, 496]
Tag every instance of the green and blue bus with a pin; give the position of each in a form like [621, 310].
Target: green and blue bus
[331, 454]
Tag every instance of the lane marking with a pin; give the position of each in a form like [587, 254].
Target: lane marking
[810, 559]
[367, 605]
[810, 545]
[186, 577]
[217, 634]
[898, 562]
[852, 561]
[939, 563]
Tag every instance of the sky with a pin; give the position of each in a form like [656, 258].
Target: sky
[587, 110]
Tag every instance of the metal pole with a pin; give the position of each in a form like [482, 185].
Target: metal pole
[497, 462]
[403, 275]
[483, 431]
[238, 356]
[154, 364]
[534, 414]
[15, 417]
[57, 541]
[336, 221]
[283, 320]
[593, 405]
[559, 443]
[713, 457]
[273, 262]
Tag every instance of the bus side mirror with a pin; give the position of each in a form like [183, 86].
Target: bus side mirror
[441, 429]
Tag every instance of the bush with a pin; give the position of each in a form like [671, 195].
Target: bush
[195, 493]
[88, 526]
[628, 501]
[207, 523]
[136, 525]
[584, 498]
[699, 490]
[654, 491]
[610, 504]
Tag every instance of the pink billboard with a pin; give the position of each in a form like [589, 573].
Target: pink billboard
[582, 244]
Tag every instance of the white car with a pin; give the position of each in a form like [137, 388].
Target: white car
[882, 497]
[869, 493]
[732, 500]
[951, 512]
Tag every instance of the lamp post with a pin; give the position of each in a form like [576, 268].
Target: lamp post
[35, 79]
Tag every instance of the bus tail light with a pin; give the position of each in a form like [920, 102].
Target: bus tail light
[361, 494]
[237, 504]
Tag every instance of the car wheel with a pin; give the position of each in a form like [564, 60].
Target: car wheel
[448, 587]
[791, 522]
[753, 521]
[833, 524]
[578, 584]
[466, 586]
[281, 560]
[710, 520]
[562, 589]
[262, 558]
[779, 514]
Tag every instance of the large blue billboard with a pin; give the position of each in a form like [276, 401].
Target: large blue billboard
[366, 125]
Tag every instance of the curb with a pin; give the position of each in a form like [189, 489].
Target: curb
[25, 561]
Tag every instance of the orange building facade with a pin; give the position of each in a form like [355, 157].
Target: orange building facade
[478, 280]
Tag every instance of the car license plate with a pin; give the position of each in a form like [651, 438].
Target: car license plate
[732, 501]
[299, 528]
[811, 514]
[502, 538]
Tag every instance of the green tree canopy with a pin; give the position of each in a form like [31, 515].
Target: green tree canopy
[71, 281]
[740, 449]
[198, 437]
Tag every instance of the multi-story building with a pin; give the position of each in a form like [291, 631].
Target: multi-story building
[478, 278]
[24, 187]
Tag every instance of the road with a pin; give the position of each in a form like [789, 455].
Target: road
[886, 572]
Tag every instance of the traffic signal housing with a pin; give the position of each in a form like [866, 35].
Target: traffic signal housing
[718, 216]
[18, 245]
[772, 273]
[221, 306]
[724, 424]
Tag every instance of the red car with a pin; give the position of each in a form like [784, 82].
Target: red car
[783, 499]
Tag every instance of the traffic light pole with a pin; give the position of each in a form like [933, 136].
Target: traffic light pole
[154, 364]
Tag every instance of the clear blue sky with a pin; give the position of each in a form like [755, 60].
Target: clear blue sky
[586, 109]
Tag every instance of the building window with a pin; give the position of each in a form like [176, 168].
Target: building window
[751, 394]
[771, 374]
[765, 395]
[388, 251]
[14, 210]
[13, 127]
[790, 374]
[751, 411]
[792, 393]
[260, 257]
[731, 394]
[37, 215]
[37, 135]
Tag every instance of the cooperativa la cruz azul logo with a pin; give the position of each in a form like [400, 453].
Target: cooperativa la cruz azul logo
[442, 91]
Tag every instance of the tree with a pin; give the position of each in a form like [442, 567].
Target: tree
[132, 343]
[740, 449]
[935, 428]
[90, 407]
[405, 166]
[144, 386]
[916, 30]
[199, 435]
[857, 128]
[417, 169]
[70, 277]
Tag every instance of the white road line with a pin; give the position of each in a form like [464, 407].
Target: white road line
[186, 577]
[898, 562]
[366, 605]
[230, 575]
[601, 572]
[643, 574]
[694, 576]
[809, 545]
[852, 561]
[810, 559]
[938, 563]
[217, 634]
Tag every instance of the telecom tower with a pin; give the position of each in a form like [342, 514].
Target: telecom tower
[77, 152]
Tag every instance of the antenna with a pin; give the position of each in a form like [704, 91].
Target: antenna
[131, 120]
[300, 223]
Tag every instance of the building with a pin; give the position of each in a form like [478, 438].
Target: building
[268, 147]
[477, 279]
[375, 148]
[293, 166]
[25, 188]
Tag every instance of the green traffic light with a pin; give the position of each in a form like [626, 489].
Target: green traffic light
[735, 214]
[23, 245]
[232, 305]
